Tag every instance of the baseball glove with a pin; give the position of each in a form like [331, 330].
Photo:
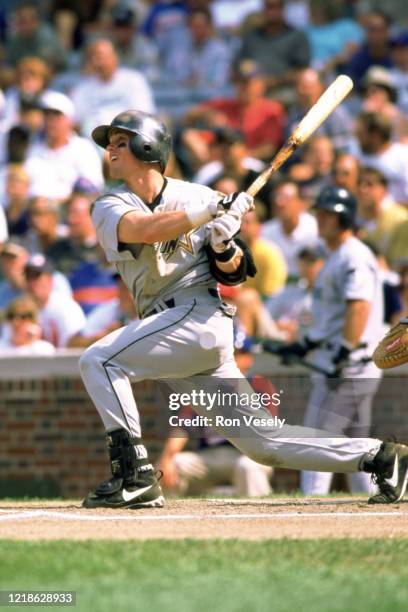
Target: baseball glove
[392, 350]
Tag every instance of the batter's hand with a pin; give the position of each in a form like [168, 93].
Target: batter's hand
[296, 350]
[224, 229]
[238, 202]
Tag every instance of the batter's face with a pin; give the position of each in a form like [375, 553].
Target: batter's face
[121, 160]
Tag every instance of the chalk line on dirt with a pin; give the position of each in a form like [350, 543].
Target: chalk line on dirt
[45, 514]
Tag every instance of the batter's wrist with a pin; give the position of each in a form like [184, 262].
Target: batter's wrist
[227, 253]
[200, 215]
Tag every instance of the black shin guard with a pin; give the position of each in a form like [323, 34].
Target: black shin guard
[128, 456]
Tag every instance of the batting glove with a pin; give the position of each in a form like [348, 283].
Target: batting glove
[341, 358]
[238, 202]
[296, 350]
[223, 230]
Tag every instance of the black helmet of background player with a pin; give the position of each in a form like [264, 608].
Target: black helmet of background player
[340, 201]
[150, 141]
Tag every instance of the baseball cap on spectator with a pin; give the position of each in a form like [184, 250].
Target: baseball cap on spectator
[400, 40]
[57, 101]
[84, 186]
[13, 246]
[123, 15]
[380, 77]
[38, 264]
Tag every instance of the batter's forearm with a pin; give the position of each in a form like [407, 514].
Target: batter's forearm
[232, 265]
[357, 313]
[149, 229]
[166, 225]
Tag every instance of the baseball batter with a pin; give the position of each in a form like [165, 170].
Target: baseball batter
[171, 241]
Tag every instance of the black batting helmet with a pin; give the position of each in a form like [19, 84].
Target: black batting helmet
[150, 141]
[340, 201]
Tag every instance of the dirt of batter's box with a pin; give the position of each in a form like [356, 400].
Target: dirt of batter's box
[206, 519]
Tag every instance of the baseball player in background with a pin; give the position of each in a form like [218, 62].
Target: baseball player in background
[171, 241]
[347, 310]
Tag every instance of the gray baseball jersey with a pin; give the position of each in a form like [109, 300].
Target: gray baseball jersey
[350, 273]
[162, 269]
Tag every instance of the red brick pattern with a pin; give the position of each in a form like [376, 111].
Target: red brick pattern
[50, 430]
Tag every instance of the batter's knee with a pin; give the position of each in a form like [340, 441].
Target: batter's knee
[90, 360]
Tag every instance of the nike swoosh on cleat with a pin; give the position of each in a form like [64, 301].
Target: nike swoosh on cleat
[129, 495]
[393, 481]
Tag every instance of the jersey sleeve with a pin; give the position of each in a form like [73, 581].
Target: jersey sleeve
[106, 214]
[359, 280]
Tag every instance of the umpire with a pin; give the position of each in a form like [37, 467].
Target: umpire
[347, 312]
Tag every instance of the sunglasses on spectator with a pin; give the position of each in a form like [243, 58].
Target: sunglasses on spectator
[24, 316]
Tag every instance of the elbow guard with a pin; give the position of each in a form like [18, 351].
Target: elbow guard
[246, 267]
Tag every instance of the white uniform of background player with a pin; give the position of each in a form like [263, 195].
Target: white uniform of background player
[184, 329]
[350, 273]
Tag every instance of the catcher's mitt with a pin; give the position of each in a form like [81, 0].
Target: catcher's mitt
[392, 350]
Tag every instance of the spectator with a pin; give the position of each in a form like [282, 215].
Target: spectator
[107, 88]
[270, 278]
[291, 308]
[379, 214]
[17, 199]
[330, 33]
[380, 96]
[269, 261]
[15, 146]
[31, 37]
[22, 336]
[399, 73]
[261, 120]
[376, 149]
[278, 49]
[45, 231]
[216, 462]
[60, 317]
[3, 227]
[165, 23]
[134, 49]
[403, 292]
[107, 317]
[390, 281]
[32, 78]
[309, 88]
[345, 172]
[314, 170]
[67, 155]
[292, 228]
[91, 279]
[203, 62]
[13, 258]
[397, 252]
[229, 156]
[375, 51]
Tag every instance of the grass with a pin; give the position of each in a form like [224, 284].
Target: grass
[213, 575]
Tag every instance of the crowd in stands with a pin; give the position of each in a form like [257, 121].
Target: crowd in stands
[231, 78]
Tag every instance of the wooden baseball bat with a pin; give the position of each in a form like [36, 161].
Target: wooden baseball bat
[328, 101]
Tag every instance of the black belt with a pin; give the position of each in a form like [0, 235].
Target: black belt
[171, 303]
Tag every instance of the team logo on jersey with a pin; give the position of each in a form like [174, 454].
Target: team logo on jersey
[183, 242]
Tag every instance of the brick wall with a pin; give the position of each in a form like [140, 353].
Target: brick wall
[52, 439]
